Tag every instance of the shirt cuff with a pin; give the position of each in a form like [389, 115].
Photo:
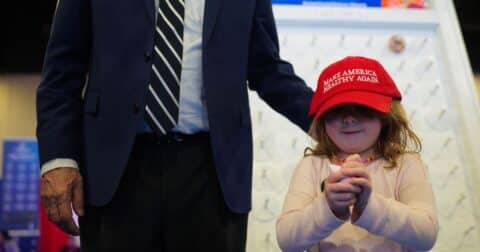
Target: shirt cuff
[57, 163]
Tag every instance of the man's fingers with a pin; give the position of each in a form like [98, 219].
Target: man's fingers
[64, 208]
[77, 198]
[59, 212]
[56, 213]
[69, 226]
[49, 201]
[66, 222]
[52, 210]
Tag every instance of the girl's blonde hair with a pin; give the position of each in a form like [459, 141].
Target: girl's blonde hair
[396, 137]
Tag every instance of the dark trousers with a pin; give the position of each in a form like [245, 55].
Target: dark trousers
[169, 200]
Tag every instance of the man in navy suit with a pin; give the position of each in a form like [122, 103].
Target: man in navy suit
[135, 184]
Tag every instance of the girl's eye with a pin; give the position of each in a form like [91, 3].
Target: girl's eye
[366, 112]
[342, 111]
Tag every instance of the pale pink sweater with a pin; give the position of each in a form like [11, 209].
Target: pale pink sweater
[400, 214]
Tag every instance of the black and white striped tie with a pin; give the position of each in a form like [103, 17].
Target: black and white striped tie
[164, 87]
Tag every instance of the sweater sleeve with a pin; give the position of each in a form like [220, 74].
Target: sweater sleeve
[306, 218]
[411, 218]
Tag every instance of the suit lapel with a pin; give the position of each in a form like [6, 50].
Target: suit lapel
[212, 8]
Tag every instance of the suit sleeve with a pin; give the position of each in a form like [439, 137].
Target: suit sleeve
[59, 95]
[273, 78]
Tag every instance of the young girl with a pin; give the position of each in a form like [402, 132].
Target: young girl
[363, 187]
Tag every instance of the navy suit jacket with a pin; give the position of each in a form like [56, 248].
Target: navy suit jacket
[97, 65]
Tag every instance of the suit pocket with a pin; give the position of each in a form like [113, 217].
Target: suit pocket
[92, 103]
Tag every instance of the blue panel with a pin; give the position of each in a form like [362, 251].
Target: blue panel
[371, 3]
[19, 188]
[287, 1]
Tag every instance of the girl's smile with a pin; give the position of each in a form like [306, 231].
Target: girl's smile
[353, 128]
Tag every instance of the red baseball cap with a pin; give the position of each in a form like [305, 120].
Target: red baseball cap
[356, 80]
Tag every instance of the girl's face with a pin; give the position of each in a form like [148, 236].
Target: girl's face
[353, 128]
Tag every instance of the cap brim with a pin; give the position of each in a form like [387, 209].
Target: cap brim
[374, 101]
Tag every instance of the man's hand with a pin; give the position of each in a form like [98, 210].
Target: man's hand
[61, 188]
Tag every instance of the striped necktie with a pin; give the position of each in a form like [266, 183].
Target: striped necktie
[164, 88]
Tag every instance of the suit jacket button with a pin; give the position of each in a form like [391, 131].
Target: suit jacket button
[136, 108]
[147, 56]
